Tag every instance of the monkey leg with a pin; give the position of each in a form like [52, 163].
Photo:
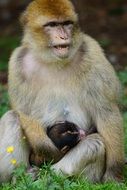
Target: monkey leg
[87, 158]
[13, 147]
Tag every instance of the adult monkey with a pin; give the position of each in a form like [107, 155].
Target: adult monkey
[60, 74]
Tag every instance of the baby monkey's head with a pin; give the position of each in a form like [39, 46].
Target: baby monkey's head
[65, 135]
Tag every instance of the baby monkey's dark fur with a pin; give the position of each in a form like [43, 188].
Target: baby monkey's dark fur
[65, 135]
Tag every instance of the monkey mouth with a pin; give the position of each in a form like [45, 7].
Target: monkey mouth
[61, 50]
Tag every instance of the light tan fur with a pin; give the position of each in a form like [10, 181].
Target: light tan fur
[82, 89]
[11, 135]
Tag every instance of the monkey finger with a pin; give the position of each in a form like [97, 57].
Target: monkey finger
[65, 149]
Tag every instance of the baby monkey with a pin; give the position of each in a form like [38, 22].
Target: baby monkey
[65, 135]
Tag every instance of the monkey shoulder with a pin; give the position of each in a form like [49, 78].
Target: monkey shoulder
[92, 46]
[17, 55]
[22, 64]
[101, 76]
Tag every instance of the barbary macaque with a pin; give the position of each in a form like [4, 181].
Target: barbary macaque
[60, 74]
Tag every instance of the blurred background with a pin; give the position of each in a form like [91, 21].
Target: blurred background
[105, 20]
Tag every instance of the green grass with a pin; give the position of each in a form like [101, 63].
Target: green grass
[47, 179]
[125, 128]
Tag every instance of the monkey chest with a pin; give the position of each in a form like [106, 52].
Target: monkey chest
[60, 103]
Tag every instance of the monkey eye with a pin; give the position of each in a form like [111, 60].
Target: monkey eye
[68, 22]
[51, 24]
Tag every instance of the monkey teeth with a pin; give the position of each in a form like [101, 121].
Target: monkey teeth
[60, 47]
[61, 50]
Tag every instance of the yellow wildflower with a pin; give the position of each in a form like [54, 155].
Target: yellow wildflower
[24, 137]
[10, 149]
[13, 161]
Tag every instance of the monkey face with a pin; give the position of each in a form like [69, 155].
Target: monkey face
[65, 135]
[60, 35]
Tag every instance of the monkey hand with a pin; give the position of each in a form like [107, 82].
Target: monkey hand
[36, 159]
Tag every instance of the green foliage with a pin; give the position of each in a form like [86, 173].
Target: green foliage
[6, 46]
[105, 42]
[4, 102]
[124, 102]
[125, 128]
[123, 77]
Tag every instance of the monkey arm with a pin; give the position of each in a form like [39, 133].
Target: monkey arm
[21, 93]
[89, 153]
[18, 88]
[109, 126]
[103, 95]
[38, 139]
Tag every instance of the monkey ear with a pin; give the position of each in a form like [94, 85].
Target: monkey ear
[23, 18]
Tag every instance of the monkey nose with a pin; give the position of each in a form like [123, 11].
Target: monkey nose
[63, 37]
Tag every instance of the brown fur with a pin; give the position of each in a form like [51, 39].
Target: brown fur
[60, 9]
